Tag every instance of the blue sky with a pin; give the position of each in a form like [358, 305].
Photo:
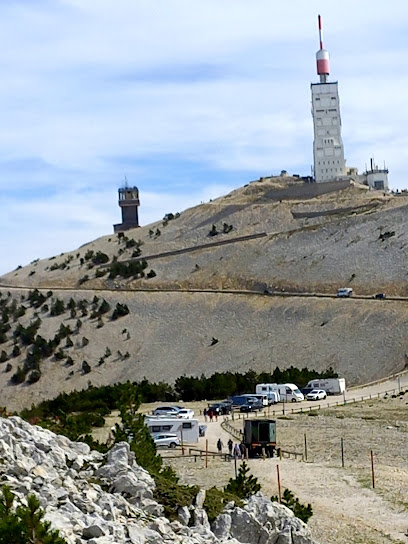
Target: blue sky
[187, 99]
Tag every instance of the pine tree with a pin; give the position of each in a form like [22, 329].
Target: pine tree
[244, 485]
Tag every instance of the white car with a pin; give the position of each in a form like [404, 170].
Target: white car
[166, 440]
[185, 413]
[316, 394]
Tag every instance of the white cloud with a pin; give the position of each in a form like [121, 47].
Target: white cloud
[91, 91]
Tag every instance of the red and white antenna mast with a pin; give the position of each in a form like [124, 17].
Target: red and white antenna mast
[322, 57]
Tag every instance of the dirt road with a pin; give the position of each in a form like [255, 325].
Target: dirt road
[346, 508]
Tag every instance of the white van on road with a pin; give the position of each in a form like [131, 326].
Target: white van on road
[345, 292]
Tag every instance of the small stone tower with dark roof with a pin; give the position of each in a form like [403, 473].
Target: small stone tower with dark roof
[129, 203]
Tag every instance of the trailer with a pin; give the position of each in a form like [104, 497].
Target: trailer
[332, 386]
[188, 430]
[260, 437]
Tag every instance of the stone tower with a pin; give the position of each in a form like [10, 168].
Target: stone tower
[129, 203]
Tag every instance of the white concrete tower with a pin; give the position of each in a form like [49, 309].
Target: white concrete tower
[328, 151]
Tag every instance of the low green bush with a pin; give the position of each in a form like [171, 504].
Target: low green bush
[301, 511]
[24, 524]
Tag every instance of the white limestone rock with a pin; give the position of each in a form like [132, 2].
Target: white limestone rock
[63, 475]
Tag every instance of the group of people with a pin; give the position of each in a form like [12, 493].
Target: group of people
[239, 451]
[211, 414]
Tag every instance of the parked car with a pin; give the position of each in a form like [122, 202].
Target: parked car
[166, 411]
[380, 296]
[185, 413]
[316, 394]
[221, 408]
[251, 407]
[166, 440]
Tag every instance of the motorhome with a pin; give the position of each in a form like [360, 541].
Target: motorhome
[332, 386]
[187, 430]
[270, 390]
[288, 392]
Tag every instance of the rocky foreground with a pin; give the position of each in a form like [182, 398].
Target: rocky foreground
[97, 499]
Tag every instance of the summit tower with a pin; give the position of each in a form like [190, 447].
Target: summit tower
[328, 151]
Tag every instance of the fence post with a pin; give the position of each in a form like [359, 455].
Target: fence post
[342, 453]
[305, 448]
[344, 397]
[182, 441]
[372, 468]
[206, 453]
[279, 484]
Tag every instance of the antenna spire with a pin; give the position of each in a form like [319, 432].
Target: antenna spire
[322, 56]
[319, 19]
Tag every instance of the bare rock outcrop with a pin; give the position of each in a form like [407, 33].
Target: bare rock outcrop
[108, 499]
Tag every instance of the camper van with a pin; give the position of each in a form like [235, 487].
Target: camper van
[288, 392]
[332, 386]
[269, 390]
[188, 431]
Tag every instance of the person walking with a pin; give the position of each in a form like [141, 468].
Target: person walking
[237, 452]
[230, 445]
[210, 414]
[243, 449]
[219, 445]
[205, 413]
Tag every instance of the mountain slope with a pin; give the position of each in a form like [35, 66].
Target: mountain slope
[278, 235]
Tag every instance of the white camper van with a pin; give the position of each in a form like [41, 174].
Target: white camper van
[287, 392]
[269, 390]
[187, 430]
[332, 386]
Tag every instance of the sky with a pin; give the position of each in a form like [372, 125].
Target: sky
[186, 99]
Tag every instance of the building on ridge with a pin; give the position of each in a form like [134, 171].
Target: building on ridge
[328, 150]
[129, 203]
[329, 163]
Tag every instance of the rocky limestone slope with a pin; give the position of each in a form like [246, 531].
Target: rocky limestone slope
[96, 499]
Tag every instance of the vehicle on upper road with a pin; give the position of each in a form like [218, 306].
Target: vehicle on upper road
[166, 411]
[316, 394]
[185, 413]
[344, 292]
[166, 440]
[380, 296]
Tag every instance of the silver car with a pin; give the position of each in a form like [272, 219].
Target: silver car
[166, 440]
[166, 411]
